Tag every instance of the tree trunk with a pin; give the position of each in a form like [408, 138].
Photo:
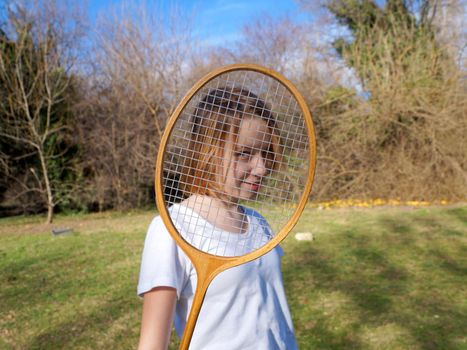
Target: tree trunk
[48, 189]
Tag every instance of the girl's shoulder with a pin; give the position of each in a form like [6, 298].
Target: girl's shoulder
[177, 214]
[158, 227]
[257, 219]
[158, 233]
[253, 213]
[261, 221]
[156, 222]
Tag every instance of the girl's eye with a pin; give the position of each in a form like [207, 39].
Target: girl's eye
[243, 154]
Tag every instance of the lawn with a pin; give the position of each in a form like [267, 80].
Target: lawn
[380, 278]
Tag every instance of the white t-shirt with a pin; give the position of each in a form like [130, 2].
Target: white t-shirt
[245, 306]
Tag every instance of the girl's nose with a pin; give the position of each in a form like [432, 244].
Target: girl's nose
[258, 166]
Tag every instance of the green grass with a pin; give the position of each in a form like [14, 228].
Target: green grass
[384, 278]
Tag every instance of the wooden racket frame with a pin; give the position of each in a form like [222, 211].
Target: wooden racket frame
[207, 266]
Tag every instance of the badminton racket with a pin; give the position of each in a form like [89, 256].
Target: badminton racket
[241, 137]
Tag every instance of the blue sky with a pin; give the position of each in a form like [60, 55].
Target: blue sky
[215, 20]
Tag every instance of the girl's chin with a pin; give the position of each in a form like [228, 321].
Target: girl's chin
[249, 195]
[245, 194]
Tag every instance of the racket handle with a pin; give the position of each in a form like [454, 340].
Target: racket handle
[205, 274]
[194, 313]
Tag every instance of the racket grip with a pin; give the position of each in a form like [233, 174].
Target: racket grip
[205, 274]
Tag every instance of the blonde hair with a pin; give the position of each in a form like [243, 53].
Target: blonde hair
[217, 116]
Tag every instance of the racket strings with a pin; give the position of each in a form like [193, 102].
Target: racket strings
[214, 119]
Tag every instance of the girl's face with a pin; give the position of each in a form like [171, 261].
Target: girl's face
[245, 159]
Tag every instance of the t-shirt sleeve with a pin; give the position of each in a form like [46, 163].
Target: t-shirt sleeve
[163, 263]
[280, 250]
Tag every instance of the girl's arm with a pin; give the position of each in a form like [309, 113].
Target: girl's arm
[156, 324]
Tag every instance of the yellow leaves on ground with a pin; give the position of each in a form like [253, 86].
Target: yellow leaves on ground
[360, 203]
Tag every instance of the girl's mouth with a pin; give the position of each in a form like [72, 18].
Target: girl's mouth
[253, 186]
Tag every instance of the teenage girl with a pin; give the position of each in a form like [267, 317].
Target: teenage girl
[233, 145]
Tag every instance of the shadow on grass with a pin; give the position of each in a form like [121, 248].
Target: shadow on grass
[370, 289]
[28, 281]
[449, 264]
[459, 213]
[69, 281]
[381, 284]
[76, 331]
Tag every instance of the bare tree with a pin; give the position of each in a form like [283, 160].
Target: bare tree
[449, 17]
[140, 63]
[37, 53]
